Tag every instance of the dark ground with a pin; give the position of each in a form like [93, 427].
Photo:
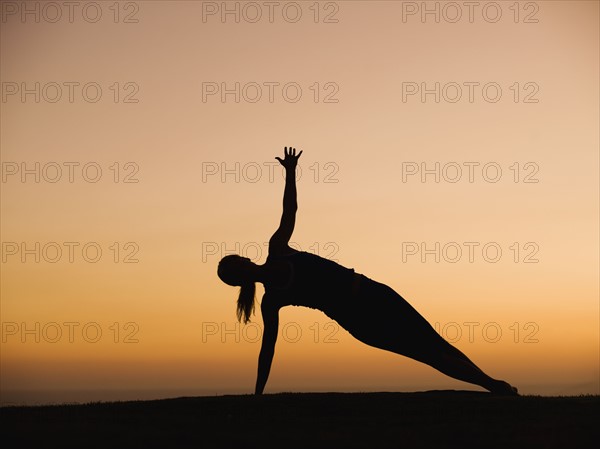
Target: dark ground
[435, 419]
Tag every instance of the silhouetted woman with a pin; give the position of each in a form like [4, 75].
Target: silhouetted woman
[372, 312]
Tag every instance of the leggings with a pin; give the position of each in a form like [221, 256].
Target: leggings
[378, 316]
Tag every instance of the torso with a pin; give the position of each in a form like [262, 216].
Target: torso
[282, 272]
[305, 279]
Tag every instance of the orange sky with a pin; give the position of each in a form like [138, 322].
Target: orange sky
[187, 175]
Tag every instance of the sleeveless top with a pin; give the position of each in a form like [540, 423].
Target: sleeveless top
[314, 282]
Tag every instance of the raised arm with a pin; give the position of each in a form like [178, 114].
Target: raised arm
[271, 328]
[282, 236]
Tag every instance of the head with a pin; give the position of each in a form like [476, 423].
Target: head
[236, 270]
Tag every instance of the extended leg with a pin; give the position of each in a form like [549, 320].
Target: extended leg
[389, 322]
[449, 360]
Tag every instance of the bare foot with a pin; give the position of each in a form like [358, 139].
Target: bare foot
[504, 389]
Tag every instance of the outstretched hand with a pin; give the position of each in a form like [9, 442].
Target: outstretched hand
[291, 159]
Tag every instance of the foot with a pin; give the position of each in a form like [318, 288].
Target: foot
[504, 389]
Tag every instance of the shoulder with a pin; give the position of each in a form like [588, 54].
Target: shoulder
[280, 250]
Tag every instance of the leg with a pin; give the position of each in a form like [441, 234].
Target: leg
[452, 362]
[391, 323]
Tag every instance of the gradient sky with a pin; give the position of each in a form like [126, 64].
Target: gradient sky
[205, 187]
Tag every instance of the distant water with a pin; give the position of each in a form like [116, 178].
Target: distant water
[53, 397]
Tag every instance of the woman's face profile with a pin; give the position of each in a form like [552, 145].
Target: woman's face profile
[233, 269]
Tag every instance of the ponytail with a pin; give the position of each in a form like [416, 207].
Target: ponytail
[245, 302]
